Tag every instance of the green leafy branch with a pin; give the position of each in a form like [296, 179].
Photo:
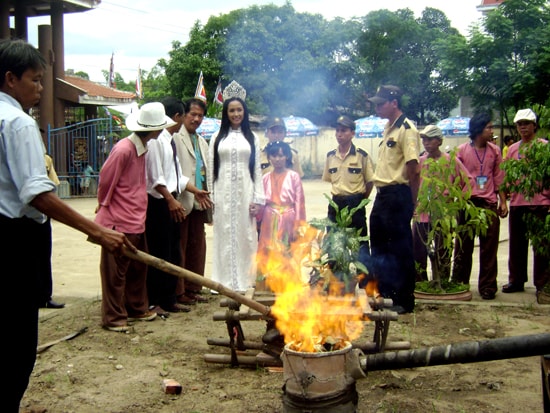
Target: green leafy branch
[443, 195]
[340, 245]
[529, 175]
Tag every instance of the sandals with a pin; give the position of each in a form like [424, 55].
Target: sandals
[118, 329]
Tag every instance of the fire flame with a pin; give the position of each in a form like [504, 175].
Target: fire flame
[306, 315]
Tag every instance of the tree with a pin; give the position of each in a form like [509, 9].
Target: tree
[199, 54]
[119, 82]
[285, 60]
[402, 51]
[281, 59]
[155, 83]
[80, 73]
[505, 64]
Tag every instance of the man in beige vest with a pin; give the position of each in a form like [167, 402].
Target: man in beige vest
[192, 152]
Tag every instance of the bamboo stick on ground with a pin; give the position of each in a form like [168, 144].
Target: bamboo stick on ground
[169, 268]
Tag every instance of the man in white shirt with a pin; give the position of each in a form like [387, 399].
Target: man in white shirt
[165, 212]
[27, 199]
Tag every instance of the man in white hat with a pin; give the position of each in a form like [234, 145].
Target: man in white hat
[539, 205]
[122, 198]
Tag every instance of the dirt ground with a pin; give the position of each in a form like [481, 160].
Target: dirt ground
[101, 371]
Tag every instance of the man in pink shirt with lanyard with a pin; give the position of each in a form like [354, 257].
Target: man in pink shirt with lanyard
[482, 159]
[122, 197]
[539, 205]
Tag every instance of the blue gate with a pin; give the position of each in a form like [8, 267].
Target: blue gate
[74, 148]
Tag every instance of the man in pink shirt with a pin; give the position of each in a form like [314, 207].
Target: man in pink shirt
[122, 197]
[482, 159]
[432, 138]
[539, 205]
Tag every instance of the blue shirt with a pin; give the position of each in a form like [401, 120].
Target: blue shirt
[23, 173]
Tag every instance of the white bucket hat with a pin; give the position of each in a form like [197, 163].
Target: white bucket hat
[525, 114]
[150, 117]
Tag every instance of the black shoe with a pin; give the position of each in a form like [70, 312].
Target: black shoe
[52, 304]
[512, 288]
[487, 295]
[400, 309]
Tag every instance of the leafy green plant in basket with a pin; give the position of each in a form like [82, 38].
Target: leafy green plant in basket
[338, 263]
[443, 194]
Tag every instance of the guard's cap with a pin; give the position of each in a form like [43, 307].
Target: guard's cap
[271, 123]
[346, 122]
[386, 93]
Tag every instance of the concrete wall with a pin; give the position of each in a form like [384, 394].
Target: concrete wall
[312, 150]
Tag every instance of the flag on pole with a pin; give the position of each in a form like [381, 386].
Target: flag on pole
[218, 96]
[112, 82]
[200, 92]
[139, 91]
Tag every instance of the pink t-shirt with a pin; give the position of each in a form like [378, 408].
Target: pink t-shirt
[484, 167]
[542, 198]
[122, 190]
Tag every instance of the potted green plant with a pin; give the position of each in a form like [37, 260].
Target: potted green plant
[338, 267]
[442, 197]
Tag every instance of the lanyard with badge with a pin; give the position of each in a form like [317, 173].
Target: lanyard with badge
[481, 180]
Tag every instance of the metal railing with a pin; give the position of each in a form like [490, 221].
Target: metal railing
[76, 146]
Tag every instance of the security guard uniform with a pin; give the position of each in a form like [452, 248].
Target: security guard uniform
[349, 177]
[390, 218]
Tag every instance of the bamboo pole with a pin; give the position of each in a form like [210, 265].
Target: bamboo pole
[180, 272]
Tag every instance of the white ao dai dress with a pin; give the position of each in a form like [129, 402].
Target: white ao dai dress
[235, 236]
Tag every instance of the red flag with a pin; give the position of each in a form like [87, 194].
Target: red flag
[218, 96]
[112, 82]
[200, 92]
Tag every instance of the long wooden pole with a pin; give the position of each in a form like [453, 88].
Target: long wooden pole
[180, 272]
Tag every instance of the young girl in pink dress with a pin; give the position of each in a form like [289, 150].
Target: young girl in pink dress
[285, 203]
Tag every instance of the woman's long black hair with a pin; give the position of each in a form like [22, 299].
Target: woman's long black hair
[224, 131]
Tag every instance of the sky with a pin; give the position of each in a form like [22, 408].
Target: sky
[140, 32]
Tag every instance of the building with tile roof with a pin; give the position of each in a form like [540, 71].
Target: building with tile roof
[488, 5]
[61, 92]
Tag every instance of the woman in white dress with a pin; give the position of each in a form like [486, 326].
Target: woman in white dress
[235, 180]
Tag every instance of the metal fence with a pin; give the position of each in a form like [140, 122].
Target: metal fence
[77, 148]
